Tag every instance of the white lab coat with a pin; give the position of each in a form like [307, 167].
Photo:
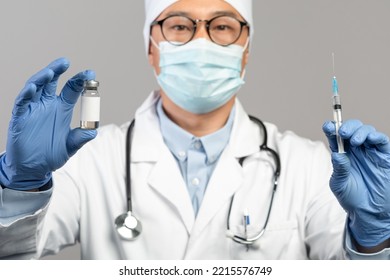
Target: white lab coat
[89, 193]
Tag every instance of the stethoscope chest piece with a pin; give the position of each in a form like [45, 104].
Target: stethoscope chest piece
[128, 226]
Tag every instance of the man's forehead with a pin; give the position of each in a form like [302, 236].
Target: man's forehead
[205, 6]
[191, 13]
[157, 8]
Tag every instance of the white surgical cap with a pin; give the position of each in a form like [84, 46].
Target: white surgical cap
[153, 8]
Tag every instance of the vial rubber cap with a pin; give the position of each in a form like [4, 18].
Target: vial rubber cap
[91, 84]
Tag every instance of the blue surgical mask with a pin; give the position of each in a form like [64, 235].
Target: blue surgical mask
[200, 76]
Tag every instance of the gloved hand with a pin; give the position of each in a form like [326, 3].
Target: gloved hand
[361, 180]
[39, 136]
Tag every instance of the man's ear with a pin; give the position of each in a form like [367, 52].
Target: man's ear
[150, 53]
[246, 57]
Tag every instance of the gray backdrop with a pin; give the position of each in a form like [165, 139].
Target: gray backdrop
[288, 79]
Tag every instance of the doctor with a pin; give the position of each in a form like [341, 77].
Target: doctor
[203, 174]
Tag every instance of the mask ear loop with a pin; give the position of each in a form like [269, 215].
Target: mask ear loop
[246, 45]
[154, 42]
[243, 51]
[243, 74]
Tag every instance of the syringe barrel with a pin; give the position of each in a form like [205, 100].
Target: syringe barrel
[338, 121]
[336, 102]
[337, 109]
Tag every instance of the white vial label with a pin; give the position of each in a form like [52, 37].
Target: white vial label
[90, 109]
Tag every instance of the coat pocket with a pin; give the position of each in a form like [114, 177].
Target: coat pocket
[280, 241]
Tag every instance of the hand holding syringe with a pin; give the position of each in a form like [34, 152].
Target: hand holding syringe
[337, 111]
[360, 178]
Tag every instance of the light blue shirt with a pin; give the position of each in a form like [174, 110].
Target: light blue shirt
[196, 157]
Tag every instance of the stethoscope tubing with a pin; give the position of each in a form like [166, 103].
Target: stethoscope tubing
[120, 221]
[128, 169]
[275, 156]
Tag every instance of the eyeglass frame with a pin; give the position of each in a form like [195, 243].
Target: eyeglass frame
[195, 23]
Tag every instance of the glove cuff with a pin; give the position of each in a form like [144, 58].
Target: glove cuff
[369, 232]
[20, 184]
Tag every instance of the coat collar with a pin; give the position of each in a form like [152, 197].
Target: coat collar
[148, 142]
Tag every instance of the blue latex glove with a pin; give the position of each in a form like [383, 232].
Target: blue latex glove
[361, 180]
[39, 136]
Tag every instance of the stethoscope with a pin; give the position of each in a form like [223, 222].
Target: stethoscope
[129, 227]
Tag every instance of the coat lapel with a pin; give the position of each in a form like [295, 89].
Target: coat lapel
[166, 179]
[219, 191]
[228, 175]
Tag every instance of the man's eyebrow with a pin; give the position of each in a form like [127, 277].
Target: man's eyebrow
[177, 13]
[226, 13]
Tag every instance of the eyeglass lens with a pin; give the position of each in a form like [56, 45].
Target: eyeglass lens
[223, 30]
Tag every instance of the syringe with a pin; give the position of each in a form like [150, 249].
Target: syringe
[337, 112]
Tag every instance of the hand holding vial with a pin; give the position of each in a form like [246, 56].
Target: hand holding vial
[40, 139]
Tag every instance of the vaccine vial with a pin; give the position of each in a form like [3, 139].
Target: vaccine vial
[90, 105]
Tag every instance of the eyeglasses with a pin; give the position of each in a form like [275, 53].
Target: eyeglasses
[179, 30]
